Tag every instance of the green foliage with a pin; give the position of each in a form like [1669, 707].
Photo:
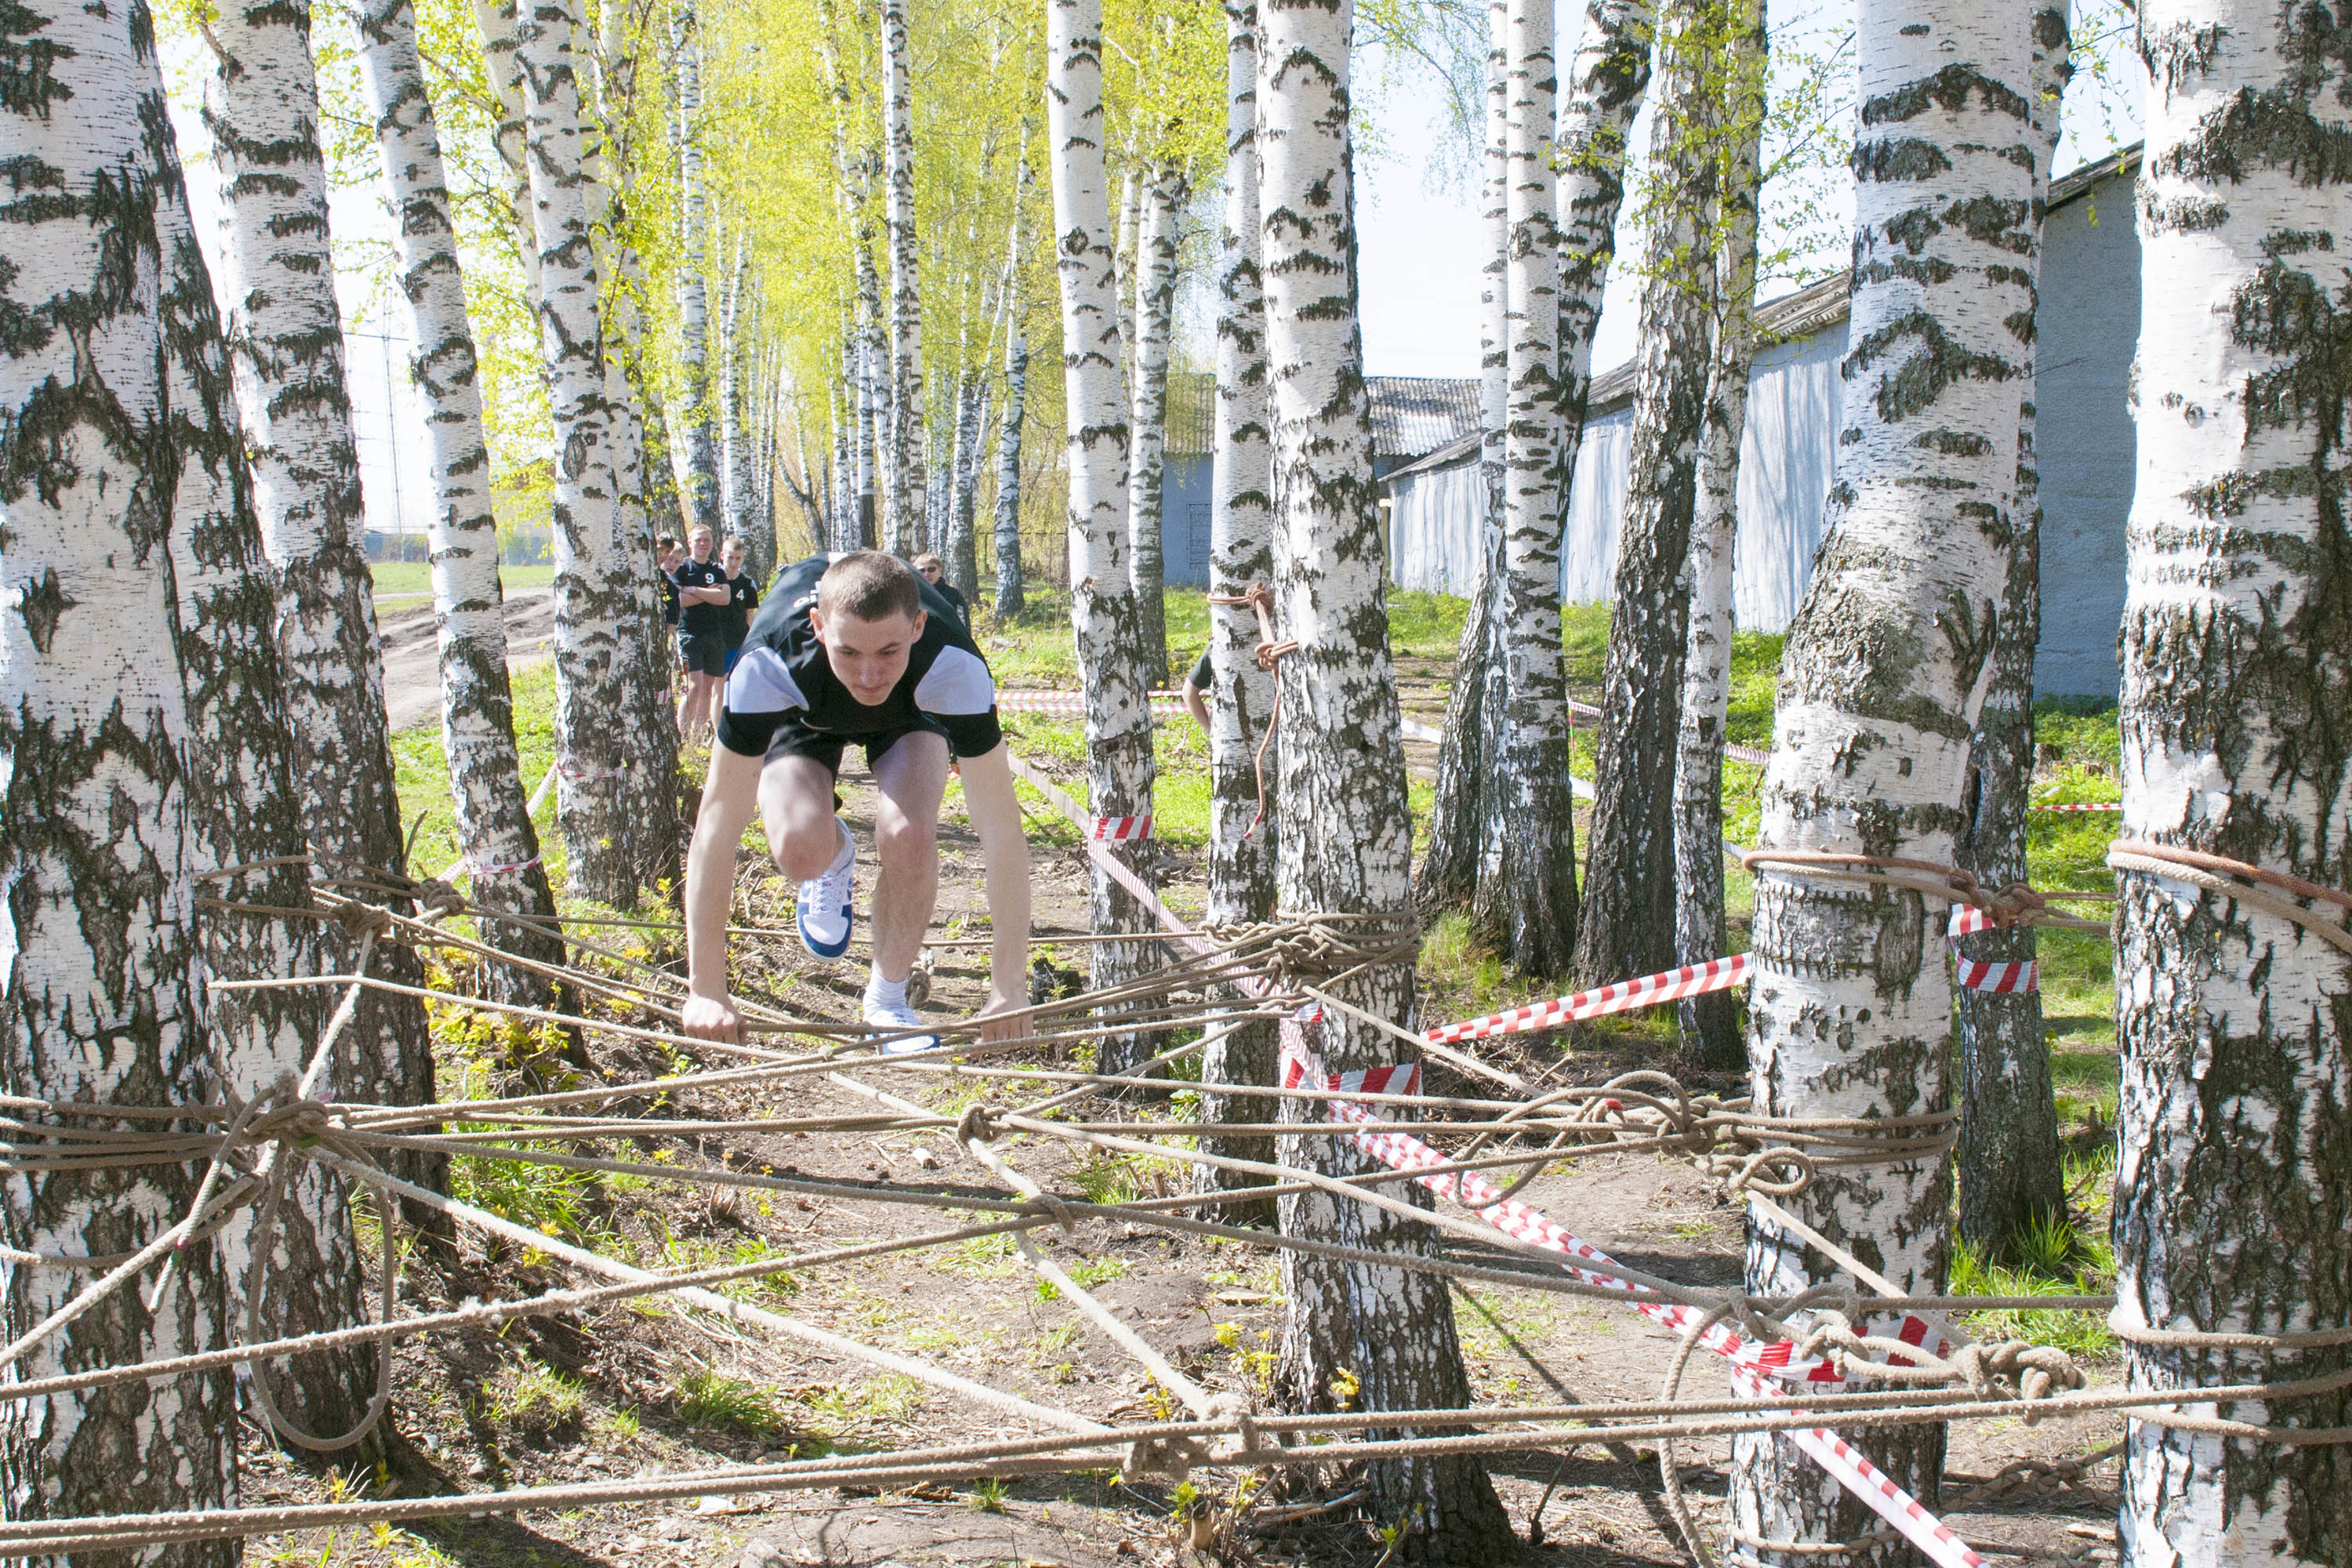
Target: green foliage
[536, 1399]
[706, 1398]
[2058, 1261]
[1086, 1275]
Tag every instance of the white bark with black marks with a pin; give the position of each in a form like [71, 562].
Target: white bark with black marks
[1626, 919]
[1155, 321]
[2233, 1196]
[489, 797]
[1120, 766]
[1607, 80]
[1524, 904]
[698, 417]
[598, 644]
[1473, 708]
[907, 490]
[1240, 554]
[1710, 1032]
[1009, 595]
[103, 999]
[2011, 1168]
[1884, 670]
[287, 345]
[962, 553]
[1347, 838]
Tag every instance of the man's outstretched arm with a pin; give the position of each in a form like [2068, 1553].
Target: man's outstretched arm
[729, 796]
[996, 817]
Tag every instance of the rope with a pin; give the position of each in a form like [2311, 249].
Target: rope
[2236, 879]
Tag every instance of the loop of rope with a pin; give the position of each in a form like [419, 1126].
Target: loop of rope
[2014, 904]
[2237, 879]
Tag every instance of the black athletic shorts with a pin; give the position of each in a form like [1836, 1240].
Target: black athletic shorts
[793, 739]
[702, 653]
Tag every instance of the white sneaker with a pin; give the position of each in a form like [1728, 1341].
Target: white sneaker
[824, 910]
[896, 1017]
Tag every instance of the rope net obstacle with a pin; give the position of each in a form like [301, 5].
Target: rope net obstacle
[1834, 1361]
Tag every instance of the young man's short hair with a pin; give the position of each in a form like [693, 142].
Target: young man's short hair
[702, 528]
[666, 543]
[929, 563]
[867, 586]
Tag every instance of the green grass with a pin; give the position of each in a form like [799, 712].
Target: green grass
[421, 774]
[706, 1398]
[414, 579]
[536, 1398]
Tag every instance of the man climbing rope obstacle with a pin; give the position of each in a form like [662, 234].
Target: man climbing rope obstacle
[857, 647]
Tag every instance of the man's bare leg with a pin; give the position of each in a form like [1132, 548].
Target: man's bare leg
[796, 807]
[912, 776]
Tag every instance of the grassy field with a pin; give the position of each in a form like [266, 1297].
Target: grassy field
[413, 580]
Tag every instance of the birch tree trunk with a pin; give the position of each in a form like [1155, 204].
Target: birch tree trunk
[693, 291]
[243, 810]
[1241, 555]
[1346, 839]
[1886, 667]
[1123, 261]
[908, 489]
[1710, 1030]
[1155, 317]
[487, 796]
[494, 20]
[1627, 918]
[962, 555]
[598, 642]
[739, 476]
[1473, 708]
[2011, 1169]
[1607, 80]
[103, 999]
[872, 409]
[649, 726]
[1120, 767]
[1009, 597]
[2233, 1197]
[286, 343]
[1526, 902]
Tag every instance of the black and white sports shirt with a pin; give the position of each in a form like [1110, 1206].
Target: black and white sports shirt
[782, 674]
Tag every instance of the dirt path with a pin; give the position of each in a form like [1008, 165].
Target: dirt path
[412, 666]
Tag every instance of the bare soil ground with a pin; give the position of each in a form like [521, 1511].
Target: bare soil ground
[412, 669]
[640, 1390]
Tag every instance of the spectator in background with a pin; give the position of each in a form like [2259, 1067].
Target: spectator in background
[666, 555]
[742, 597]
[701, 630]
[934, 572]
[1196, 692]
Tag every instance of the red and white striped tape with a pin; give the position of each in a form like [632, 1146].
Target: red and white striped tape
[1691, 980]
[1752, 1361]
[2080, 805]
[1075, 703]
[1119, 829]
[2002, 978]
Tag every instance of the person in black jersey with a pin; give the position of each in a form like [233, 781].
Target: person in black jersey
[857, 647]
[701, 630]
[743, 598]
[666, 555]
[934, 572]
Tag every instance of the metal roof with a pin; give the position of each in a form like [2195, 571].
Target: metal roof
[1413, 415]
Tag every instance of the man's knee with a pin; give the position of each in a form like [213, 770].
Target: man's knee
[804, 851]
[898, 838]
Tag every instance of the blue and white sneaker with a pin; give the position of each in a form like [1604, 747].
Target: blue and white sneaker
[822, 912]
[896, 1017]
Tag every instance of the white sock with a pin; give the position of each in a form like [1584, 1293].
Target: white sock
[881, 993]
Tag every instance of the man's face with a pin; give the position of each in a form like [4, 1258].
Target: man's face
[930, 573]
[732, 559]
[867, 656]
[700, 542]
[671, 557]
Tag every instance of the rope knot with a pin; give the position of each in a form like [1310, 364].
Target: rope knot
[1235, 1407]
[359, 920]
[1163, 1459]
[977, 1125]
[434, 897]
